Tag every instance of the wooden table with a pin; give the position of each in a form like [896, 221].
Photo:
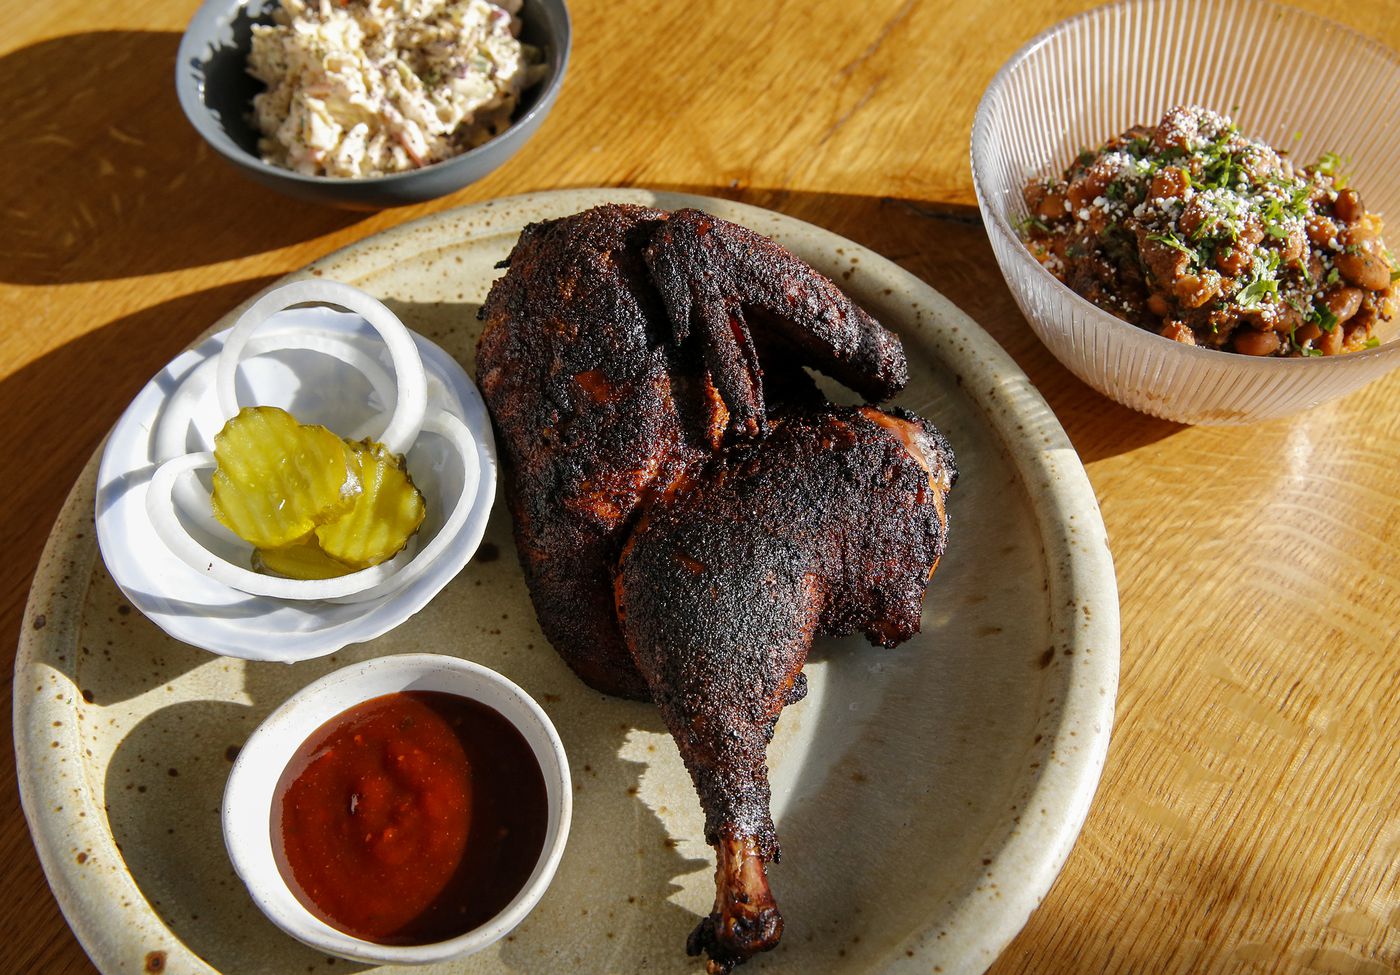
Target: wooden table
[1249, 815]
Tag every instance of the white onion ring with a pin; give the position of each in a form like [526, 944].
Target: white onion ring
[340, 347]
[160, 509]
[411, 403]
[365, 584]
[170, 434]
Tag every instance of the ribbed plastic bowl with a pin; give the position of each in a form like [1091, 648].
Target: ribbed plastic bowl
[1297, 81]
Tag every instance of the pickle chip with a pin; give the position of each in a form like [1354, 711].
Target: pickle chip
[300, 560]
[385, 515]
[277, 479]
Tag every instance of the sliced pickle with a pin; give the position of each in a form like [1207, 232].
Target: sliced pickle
[278, 479]
[300, 560]
[385, 515]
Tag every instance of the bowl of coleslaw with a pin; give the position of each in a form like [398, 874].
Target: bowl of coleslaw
[369, 104]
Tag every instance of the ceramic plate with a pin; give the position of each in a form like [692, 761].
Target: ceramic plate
[925, 796]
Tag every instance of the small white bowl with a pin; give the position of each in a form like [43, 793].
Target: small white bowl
[247, 807]
[178, 413]
[1095, 75]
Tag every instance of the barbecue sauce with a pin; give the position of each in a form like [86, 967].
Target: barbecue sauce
[410, 818]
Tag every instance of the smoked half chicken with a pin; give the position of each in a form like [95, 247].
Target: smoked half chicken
[689, 510]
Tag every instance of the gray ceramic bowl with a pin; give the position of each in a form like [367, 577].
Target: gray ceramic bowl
[217, 93]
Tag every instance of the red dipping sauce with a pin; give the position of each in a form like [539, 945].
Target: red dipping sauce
[410, 818]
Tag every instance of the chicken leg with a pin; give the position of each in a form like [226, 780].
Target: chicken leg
[831, 525]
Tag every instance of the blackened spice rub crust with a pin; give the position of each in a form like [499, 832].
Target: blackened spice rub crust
[1195, 232]
[572, 366]
[689, 509]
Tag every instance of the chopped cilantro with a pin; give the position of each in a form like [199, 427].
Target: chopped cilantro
[1024, 225]
[1321, 316]
[1218, 172]
[1253, 294]
[1174, 242]
[1330, 164]
[1273, 215]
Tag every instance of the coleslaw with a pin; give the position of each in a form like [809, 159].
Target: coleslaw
[368, 87]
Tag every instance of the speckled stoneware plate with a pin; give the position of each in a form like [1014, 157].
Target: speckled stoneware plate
[926, 796]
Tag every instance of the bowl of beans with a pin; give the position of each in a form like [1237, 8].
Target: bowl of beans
[1186, 227]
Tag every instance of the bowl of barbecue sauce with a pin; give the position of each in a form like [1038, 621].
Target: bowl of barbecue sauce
[406, 810]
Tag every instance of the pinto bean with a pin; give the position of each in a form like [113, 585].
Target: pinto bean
[1252, 232]
[1091, 184]
[1356, 338]
[1170, 182]
[1348, 206]
[1364, 230]
[1294, 246]
[1287, 319]
[1194, 290]
[1251, 342]
[1051, 206]
[1260, 163]
[1234, 259]
[1344, 303]
[1177, 129]
[1307, 332]
[1194, 215]
[1330, 342]
[1098, 221]
[1321, 229]
[1364, 268]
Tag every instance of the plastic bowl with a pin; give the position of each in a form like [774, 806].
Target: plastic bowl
[216, 93]
[248, 797]
[1290, 78]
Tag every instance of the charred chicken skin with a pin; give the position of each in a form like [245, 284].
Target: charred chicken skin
[690, 512]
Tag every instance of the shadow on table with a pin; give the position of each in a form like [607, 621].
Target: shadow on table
[943, 245]
[103, 173]
[59, 407]
[98, 373]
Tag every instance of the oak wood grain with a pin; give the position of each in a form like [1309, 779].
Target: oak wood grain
[1249, 816]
